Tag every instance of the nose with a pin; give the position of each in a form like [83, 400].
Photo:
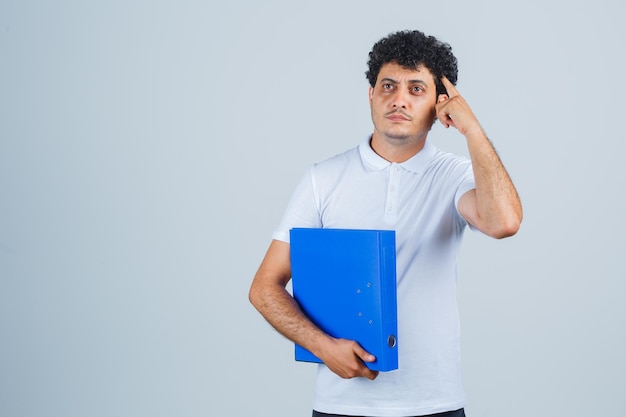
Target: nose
[400, 99]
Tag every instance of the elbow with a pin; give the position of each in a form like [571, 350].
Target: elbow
[506, 224]
[506, 228]
[259, 295]
[253, 296]
[504, 232]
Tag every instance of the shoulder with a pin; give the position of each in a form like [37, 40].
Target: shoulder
[339, 159]
[449, 164]
[336, 164]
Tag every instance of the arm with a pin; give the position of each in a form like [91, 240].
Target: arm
[494, 206]
[270, 297]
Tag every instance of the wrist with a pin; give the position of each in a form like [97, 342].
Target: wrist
[476, 135]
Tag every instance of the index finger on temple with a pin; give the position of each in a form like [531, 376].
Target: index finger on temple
[452, 91]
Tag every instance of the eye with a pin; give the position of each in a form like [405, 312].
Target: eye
[387, 86]
[416, 89]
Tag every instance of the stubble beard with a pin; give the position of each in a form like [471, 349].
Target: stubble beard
[402, 139]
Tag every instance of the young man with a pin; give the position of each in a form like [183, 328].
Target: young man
[398, 180]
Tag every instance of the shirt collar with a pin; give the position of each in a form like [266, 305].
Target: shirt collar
[417, 163]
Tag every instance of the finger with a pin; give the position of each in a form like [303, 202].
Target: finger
[366, 357]
[371, 375]
[441, 113]
[450, 88]
[363, 354]
[445, 118]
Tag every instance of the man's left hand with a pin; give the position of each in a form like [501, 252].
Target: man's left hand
[453, 110]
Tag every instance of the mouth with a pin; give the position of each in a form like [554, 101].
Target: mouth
[397, 116]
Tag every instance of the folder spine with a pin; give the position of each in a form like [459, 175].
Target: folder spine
[389, 298]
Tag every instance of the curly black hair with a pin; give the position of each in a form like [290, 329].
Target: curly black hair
[410, 49]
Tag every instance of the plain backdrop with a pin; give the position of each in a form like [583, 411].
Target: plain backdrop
[148, 150]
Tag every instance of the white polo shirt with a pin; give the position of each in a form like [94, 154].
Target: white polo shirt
[417, 198]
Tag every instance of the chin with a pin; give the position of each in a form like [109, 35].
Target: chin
[398, 138]
[400, 135]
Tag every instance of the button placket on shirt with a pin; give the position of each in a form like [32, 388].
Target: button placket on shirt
[391, 205]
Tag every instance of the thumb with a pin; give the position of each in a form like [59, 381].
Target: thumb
[363, 354]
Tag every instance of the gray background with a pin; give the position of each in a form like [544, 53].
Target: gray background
[148, 149]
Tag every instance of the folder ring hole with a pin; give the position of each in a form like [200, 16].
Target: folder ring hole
[391, 341]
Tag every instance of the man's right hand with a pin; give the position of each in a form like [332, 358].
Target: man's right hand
[344, 357]
[347, 359]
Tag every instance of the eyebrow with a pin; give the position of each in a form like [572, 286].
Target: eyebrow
[391, 80]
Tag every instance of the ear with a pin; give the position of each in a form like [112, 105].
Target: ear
[371, 93]
[442, 98]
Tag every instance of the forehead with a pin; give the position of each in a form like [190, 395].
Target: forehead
[397, 72]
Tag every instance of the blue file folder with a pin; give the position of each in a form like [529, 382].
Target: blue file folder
[345, 282]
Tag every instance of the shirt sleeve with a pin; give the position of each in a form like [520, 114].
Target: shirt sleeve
[302, 210]
[466, 184]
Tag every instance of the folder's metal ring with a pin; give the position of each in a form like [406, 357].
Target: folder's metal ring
[391, 341]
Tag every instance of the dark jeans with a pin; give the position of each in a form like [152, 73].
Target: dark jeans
[457, 413]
